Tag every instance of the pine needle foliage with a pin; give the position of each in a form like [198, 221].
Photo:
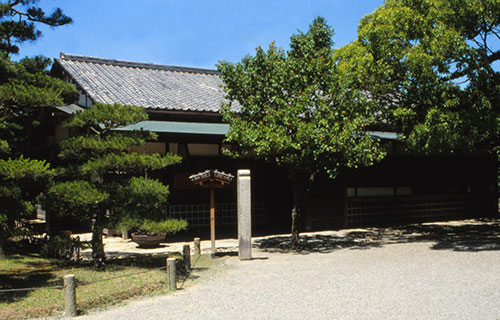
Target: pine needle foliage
[101, 179]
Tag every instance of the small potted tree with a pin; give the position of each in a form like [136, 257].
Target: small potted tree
[150, 233]
[142, 211]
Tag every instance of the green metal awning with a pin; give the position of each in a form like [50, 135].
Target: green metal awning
[70, 109]
[384, 135]
[180, 127]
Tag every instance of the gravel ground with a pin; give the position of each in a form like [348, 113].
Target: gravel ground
[366, 278]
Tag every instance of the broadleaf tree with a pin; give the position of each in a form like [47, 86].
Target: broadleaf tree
[432, 70]
[100, 179]
[291, 108]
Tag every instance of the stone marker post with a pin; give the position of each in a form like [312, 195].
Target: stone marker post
[171, 274]
[70, 295]
[186, 254]
[197, 249]
[244, 215]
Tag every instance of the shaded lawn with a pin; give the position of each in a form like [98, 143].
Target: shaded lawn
[33, 271]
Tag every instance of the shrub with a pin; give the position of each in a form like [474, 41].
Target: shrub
[166, 226]
[152, 227]
[63, 247]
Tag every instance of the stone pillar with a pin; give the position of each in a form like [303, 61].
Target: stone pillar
[70, 295]
[244, 215]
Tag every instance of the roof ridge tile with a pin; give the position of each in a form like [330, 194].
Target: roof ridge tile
[133, 64]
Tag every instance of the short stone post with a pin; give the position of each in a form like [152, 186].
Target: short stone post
[197, 249]
[171, 274]
[186, 254]
[244, 215]
[70, 295]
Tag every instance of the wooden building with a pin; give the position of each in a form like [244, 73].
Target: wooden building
[183, 105]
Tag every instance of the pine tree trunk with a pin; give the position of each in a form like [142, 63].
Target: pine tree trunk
[98, 256]
[2, 252]
[48, 224]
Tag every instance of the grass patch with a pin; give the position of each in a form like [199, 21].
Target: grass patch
[32, 271]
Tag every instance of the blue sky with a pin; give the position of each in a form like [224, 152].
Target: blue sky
[188, 32]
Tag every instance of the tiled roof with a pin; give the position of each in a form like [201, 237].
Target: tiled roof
[151, 86]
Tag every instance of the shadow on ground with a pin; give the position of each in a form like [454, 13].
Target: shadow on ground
[25, 280]
[473, 236]
[45, 273]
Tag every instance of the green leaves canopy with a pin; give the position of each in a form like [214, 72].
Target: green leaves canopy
[293, 109]
[428, 66]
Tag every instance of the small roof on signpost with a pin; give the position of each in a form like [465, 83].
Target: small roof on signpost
[211, 179]
[207, 176]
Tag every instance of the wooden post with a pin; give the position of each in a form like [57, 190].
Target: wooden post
[171, 274]
[186, 254]
[212, 218]
[210, 178]
[70, 295]
[197, 249]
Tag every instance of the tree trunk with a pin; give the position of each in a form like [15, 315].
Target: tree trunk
[2, 252]
[48, 224]
[98, 256]
[302, 183]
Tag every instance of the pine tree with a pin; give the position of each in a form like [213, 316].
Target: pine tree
[25, 88]
[101, 178]
[19, 20]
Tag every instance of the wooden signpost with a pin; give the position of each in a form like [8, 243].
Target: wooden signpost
[212, 179]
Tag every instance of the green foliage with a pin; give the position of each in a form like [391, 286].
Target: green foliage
[19, 20]
[21, 168]
[168, 226]
[104, 117]
[4, 146]
[25, 88]
[428, 66]
[62, 247]
[98, 176]
[76, 198]
[75, 148]
[295, 109]
[21, 180]
[143, 198]
[134, 163]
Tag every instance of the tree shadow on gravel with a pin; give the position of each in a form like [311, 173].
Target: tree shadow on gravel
[468, 236]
